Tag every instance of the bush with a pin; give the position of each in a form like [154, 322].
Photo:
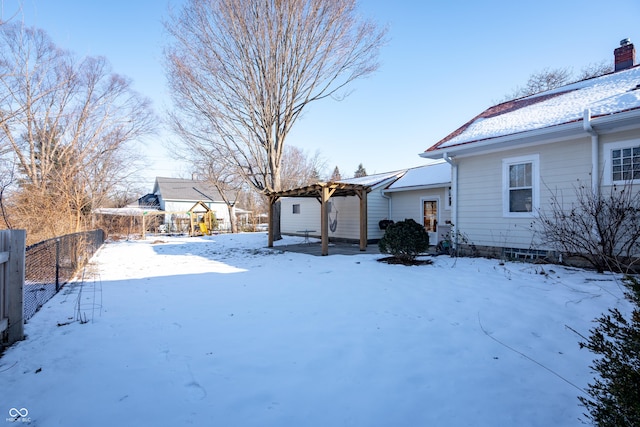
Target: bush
[404, 240]
[615, 395]
[602, 229]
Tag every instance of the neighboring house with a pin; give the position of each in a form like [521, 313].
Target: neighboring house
[175, 195]
[510, 160]
[420, 194]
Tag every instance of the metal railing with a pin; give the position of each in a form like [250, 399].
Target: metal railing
[52, 263]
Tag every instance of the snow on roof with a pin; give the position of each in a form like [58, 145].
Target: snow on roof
[373, 180]
[428, 175]
[608, 94]
[127, 211]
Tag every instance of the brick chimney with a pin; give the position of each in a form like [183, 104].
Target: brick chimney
[625, 55]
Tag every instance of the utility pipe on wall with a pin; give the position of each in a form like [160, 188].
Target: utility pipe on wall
[454, 197]
[595, 158]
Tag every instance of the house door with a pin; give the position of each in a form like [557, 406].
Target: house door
[430, 219]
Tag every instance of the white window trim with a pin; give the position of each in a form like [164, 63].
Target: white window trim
[607, 148]
[534, 159]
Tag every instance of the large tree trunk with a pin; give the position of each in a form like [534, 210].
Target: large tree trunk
[275, 221]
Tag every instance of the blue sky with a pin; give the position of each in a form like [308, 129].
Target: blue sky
[445, 62]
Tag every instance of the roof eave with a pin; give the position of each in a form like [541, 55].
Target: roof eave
[533, 137]
[418, 187]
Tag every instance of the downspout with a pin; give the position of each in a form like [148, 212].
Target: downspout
[383, 193]
[595, 158]
[454, 197]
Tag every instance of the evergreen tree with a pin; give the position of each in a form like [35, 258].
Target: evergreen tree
[614, 395]
[360, 172]
[335, 176]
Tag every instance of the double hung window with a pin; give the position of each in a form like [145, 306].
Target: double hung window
[520, 180]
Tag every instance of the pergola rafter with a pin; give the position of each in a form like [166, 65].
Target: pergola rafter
[323, 191]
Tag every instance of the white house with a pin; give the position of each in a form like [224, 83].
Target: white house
[174, 195]
[510, 160]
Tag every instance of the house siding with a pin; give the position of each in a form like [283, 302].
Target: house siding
[307, 219]
[563, 166]
[408, 204]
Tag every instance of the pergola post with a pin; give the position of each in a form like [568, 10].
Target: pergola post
[324, 220]
[363, 219]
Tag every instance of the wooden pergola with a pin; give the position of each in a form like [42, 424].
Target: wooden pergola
[322, 191]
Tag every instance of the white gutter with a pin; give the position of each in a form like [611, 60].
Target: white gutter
[595, 158]
[383, 193]
[454, 198]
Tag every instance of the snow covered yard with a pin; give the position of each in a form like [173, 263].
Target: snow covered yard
[220, 331]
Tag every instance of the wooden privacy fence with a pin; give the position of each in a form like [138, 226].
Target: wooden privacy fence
[12, 256]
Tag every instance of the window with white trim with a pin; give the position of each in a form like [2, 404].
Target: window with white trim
[520, 181]
[625, 163]
[296, 209]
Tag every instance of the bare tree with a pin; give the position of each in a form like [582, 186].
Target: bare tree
[298, 169]
[595, 69]
[242, 71]
[602, 229]
[66, 122]
[224, 179]
[552, 78]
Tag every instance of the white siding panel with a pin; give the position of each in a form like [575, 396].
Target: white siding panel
[563, 166]
[345, 214]
[307, 219]
[408, 204]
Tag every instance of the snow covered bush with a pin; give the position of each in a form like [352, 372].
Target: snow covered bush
[404, 240]
[615, 395]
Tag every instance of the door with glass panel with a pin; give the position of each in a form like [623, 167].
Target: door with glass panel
[430, 219]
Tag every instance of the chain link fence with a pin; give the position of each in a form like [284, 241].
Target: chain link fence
[52, 263]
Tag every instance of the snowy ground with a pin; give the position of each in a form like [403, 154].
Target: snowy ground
[220, 331]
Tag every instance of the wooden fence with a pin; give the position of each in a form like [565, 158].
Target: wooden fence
[12, 255]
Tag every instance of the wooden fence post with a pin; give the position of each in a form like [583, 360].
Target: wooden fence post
[14, 284]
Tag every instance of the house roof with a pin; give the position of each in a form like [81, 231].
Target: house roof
[374, 180]
[344, 187]
[177, 189]
[432, 175]
[604, 96]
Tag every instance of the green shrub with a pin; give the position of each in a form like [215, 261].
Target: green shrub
[404, 240]
[615, 394]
